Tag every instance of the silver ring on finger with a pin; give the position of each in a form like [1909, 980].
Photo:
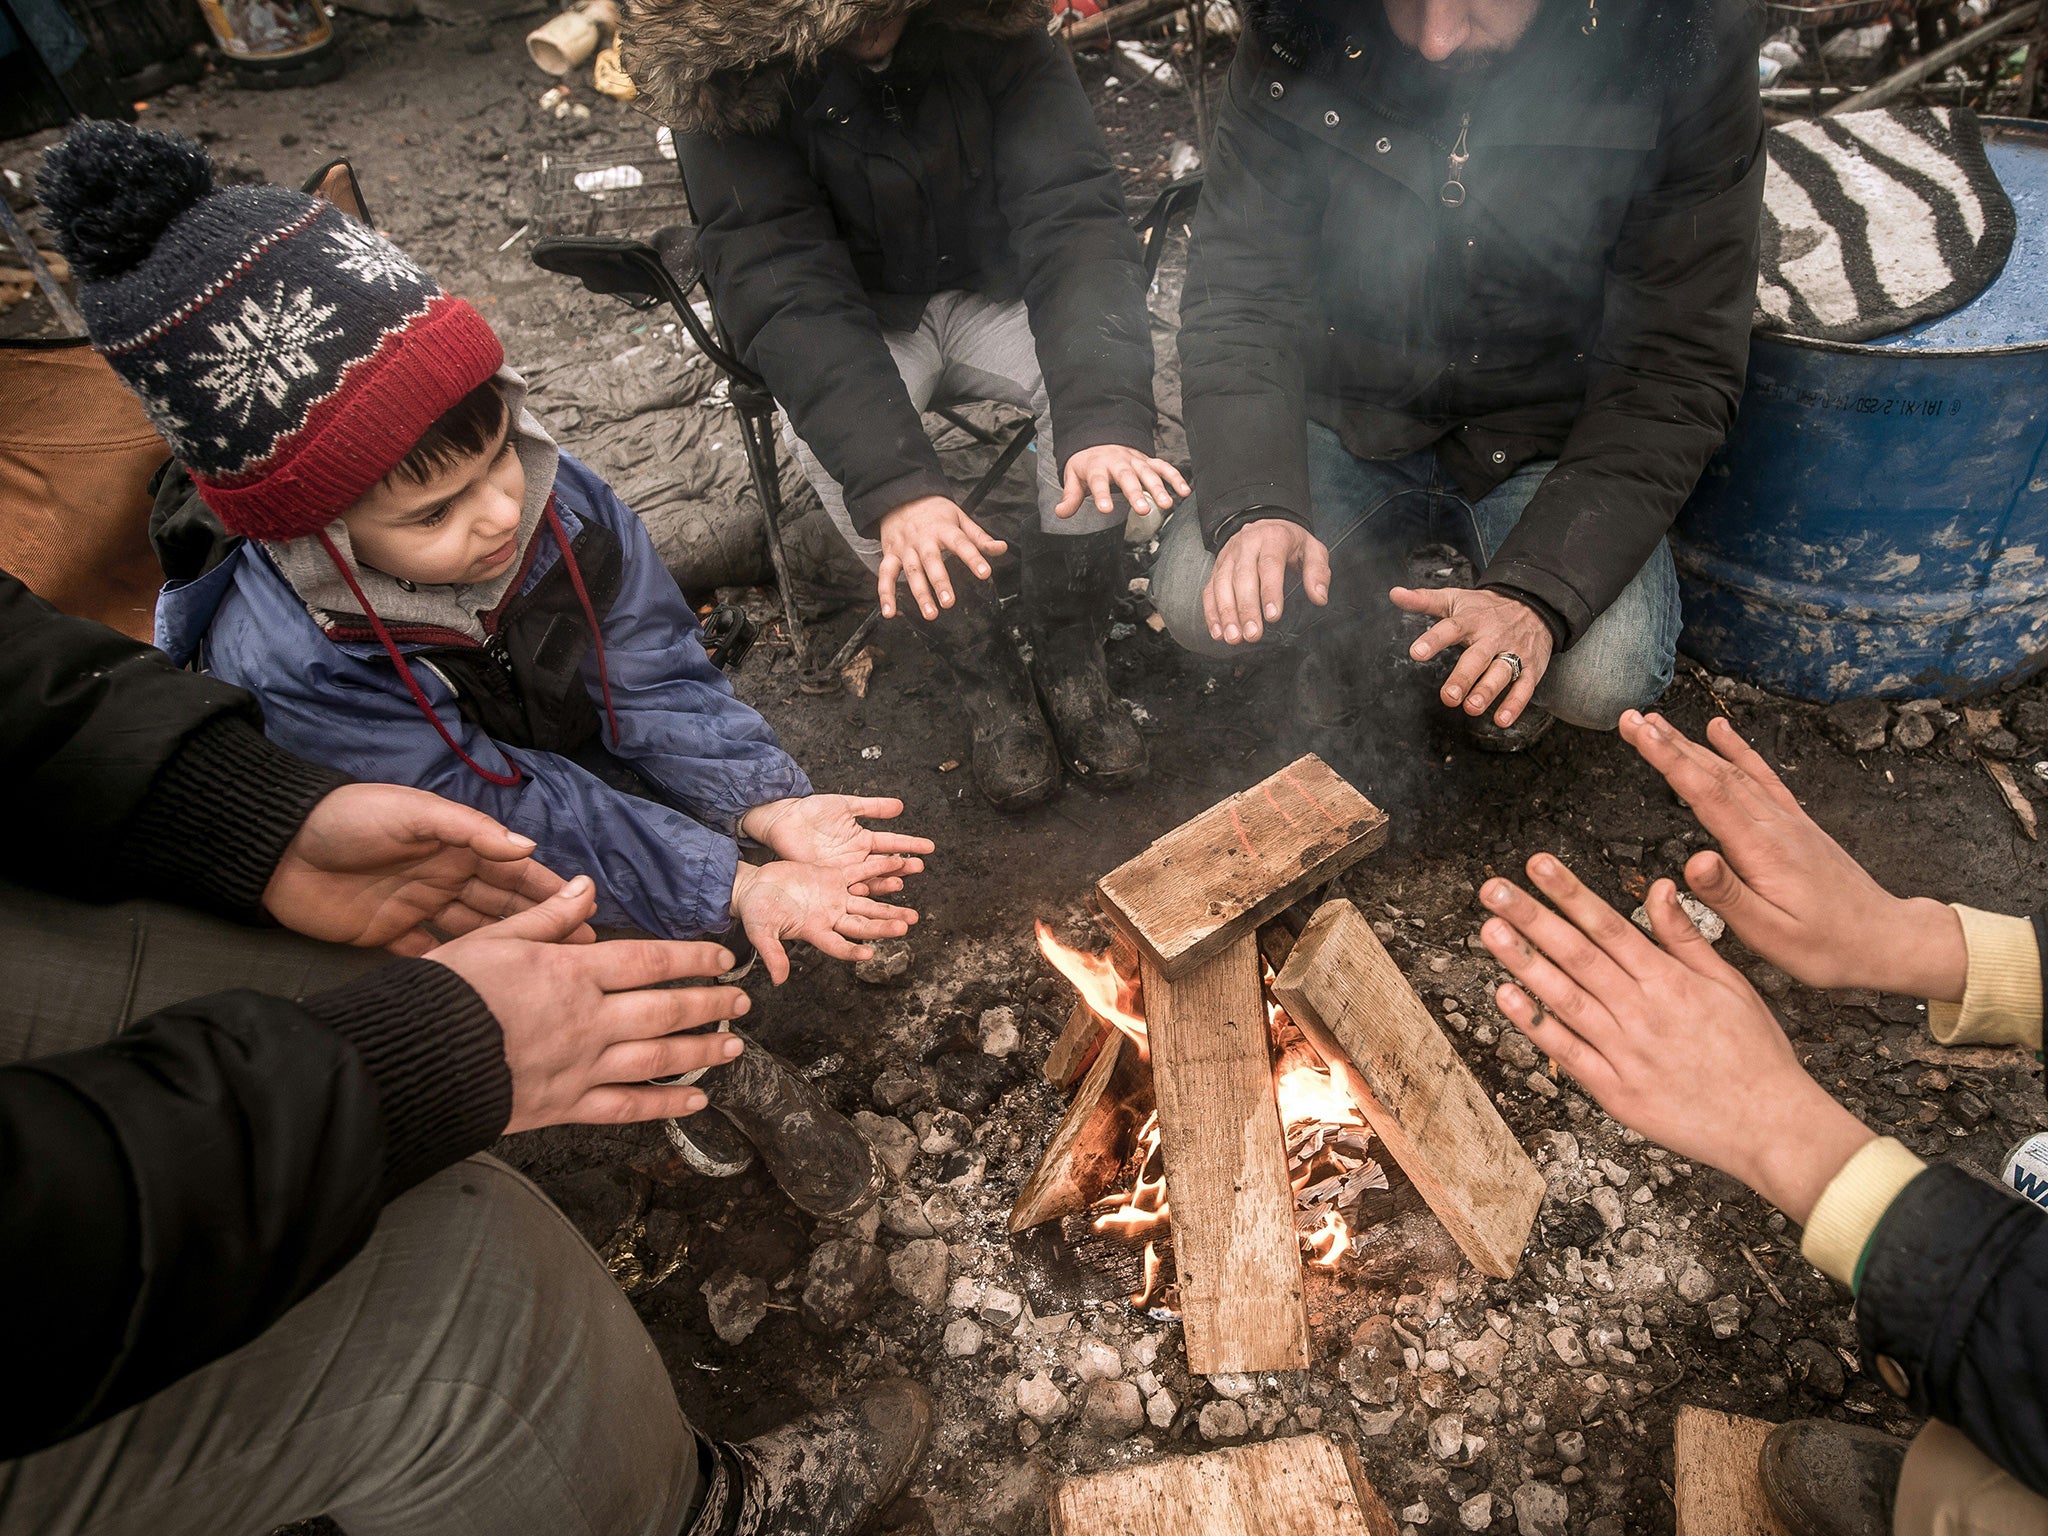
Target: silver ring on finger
[1514, 666]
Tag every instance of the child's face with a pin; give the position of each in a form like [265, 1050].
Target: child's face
[460, 527]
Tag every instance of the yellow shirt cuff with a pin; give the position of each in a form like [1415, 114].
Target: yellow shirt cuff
[2002, 998]
[1838, 1228]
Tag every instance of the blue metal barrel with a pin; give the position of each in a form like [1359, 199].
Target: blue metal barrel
[1877, 523]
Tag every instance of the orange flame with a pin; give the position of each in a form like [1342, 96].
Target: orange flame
[1144, 1207]
[1329, 1242]
[1311, 1096]
[1096, 978]
[1151, 1275]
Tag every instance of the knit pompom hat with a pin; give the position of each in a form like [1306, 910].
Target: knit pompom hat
[290, 355]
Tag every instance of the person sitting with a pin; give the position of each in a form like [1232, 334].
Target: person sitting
[904, 205]
[241, 1197]
[1947, 1270]
[1476, 272]
[391, 554]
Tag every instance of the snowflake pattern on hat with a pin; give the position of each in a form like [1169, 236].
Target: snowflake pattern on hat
[362, 252]
[266, 350]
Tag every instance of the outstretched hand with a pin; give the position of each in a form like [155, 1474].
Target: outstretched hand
[1787, 889]
[1668, 1037]
[916, 538]
[375, 864]
[1247, 587]
[826, 829]
[1487, 624]
[830, 907]
[1096, 473]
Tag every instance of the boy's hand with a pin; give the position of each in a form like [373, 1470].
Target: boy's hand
[373, 863]
[824, 829]
[1249, 578]
[1095, 472]
[830, 908]
[1671, 1040]
[1791, 892]
[916, 539]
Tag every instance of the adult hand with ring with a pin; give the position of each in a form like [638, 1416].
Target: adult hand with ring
[1507, 647]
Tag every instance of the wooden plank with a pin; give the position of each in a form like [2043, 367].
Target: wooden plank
[1349, 997]
[1242, 1305]
[1716, 1486]
[1093, 1139]
[1300, 1486]
[1074, 1052]
[1195, 890]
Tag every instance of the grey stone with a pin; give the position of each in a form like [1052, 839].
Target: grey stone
[1695, 1284]
[2030, 719]
[846, 1278]
[998, 1031]
[946, 1211]
[904, 1216]
[1913, 732]
[918, 1270]
[1516, 1050]
[736, 1303]
[1571, 1447]
[1564, 1343]
[1724, 1316]
[888, 966]
[1447, 1437]
[1040, 1399]
[1614, 1173]
[1606, 1199]
[1235, 1385]
[896, 1088]
[1000, 1307]
[1539, 1509]
[1818, 1367]
[1476, 1513]
[892, 1140]
[1858, 725]
[942, 1131]
[1223, 1420]
[1540, 1085]
[1097, 1361]
[963, 1338]
[1160, 1409]
[1112, 1409]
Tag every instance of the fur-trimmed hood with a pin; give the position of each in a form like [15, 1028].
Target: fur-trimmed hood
[724, 66]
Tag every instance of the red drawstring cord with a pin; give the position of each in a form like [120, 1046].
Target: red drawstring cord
[398, 660]
[604, 680]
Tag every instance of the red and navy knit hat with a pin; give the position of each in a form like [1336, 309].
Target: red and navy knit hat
[289, 354]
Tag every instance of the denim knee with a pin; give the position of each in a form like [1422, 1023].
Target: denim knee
[1626, 657]
[1179, 573]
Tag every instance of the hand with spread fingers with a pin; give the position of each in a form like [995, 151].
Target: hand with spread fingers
[1095, 474]
[1507, 647]
[375, 864]
[827, 829]
[1667, 1036]
[1786, 888]
[586, 1025]
[916, 538]
[830, 907]
[1246, 590]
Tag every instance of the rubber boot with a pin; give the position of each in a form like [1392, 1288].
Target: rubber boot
[1015, 762]
[1827, 1479]
[829, 1473]
[816, 1154]
[709, 1145]
[1069, 584]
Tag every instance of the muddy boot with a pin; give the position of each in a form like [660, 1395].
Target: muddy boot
[1828, 1479]
[816, 1154]
[1015, 762]
[1069, 584]
[829, 1473]
[709, 1146]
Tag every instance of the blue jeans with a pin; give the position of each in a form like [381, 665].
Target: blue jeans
[1371, 512]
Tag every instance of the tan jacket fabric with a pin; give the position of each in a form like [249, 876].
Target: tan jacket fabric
[76, 454]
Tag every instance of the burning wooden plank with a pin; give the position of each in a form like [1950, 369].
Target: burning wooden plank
[1715, 1482]
[1074, 1052]
[1348, 996]
[1234, 1241]
[1211, 880]
[1302, 1486]
[1088, 1149]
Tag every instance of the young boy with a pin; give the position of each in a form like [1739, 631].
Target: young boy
[904, 204]
[394, 557]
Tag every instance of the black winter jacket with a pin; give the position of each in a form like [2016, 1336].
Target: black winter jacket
[1579, 287]
[831, 195]
[166, 1197]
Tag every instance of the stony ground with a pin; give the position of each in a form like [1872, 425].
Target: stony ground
[1540, 1404]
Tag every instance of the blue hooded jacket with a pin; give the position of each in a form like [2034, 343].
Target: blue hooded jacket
[663, 865]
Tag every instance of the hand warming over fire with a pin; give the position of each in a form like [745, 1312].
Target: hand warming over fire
[1247, 587]
[1491, 626]
[1668, 1037]
[1788, 889]
[826, 829]
[1096, 473]
[830, 908]
[916, 538]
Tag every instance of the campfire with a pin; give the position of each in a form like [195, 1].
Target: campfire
[1327, 1138]
[1243, 1071]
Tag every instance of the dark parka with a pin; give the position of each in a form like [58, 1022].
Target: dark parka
[829, 195]
[167, 1196]
[1579, 288]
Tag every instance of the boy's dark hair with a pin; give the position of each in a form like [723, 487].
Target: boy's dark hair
[467, 428]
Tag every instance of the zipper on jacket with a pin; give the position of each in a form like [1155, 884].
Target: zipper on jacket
[1452, 193]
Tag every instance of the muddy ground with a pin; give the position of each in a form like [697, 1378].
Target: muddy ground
[1544, 1402]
